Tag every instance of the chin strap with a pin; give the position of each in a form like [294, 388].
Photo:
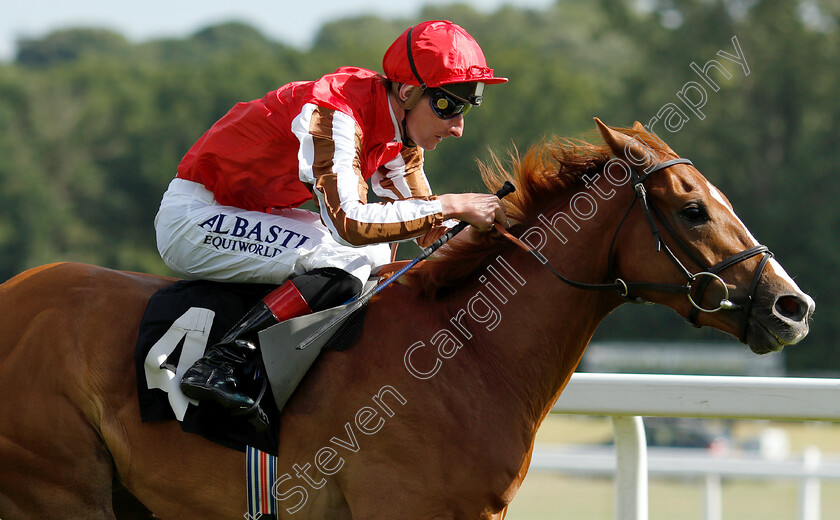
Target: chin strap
[416, 94]
[411, 59]
[407, 142]
[408, 104]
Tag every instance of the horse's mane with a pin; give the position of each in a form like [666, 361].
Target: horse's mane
[549, 173]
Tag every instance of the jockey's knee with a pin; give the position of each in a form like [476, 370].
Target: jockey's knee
[327, 287]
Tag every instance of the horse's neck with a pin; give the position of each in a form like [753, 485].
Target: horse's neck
[544, 328]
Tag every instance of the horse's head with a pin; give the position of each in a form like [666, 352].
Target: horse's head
[688, 235]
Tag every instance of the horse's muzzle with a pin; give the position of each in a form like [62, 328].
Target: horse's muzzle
[782, 321]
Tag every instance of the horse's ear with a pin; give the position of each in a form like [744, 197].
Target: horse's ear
[628, 148]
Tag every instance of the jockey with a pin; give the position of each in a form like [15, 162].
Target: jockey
[232, 213]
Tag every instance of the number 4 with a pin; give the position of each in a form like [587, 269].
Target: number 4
[193, 327]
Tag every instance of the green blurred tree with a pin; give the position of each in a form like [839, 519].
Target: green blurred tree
[70, 45]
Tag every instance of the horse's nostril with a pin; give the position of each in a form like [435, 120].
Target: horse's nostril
[791, 307]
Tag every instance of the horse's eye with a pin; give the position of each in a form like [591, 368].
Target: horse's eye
[694, 214]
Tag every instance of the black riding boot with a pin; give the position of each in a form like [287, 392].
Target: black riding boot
[214, 377]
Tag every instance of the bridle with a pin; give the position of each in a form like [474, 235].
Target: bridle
[704, 278]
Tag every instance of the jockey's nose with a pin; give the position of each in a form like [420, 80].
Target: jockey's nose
[456, 126]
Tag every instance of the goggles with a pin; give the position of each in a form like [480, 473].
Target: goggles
[448, 104]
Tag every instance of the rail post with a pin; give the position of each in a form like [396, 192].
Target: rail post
[713, 498]
[809, 488]
[631, 479]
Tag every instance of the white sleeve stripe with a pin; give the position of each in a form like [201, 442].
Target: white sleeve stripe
[384, 187]
[306, 151]
[396, 174]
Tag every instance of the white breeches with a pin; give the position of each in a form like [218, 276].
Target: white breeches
[199, 238]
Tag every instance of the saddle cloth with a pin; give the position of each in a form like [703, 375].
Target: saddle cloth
[185, 318]
[180, 321]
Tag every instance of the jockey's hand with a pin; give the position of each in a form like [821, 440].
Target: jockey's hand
[478, 209]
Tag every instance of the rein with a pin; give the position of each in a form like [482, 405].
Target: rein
[705, 276]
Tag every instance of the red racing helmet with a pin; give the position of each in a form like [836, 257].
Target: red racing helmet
[435, 53]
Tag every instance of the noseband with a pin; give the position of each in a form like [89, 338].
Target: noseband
[704, 278]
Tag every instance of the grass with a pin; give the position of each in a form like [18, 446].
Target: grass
[545, 496]
[552, 497]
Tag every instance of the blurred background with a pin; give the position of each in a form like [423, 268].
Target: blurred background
[99, 102]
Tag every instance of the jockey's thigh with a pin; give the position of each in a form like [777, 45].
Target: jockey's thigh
[200, 238]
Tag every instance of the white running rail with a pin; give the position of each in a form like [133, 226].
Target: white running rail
[628, 397]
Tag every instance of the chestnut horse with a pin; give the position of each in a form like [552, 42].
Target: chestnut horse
[433, 413]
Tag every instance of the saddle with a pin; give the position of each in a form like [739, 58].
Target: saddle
[185, 318]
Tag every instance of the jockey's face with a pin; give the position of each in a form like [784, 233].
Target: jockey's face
[427, 129]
